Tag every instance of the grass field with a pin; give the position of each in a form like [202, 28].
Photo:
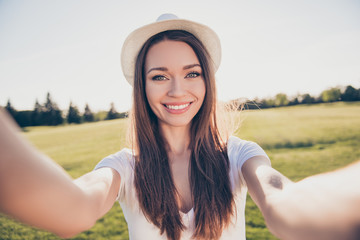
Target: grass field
[301, 141]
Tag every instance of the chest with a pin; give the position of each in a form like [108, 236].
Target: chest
[181, 174]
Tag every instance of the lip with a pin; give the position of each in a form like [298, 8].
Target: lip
[177, 111]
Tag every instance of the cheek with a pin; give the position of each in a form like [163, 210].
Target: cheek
[201, 90]
[152, 95]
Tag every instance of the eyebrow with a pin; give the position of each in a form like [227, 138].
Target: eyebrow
[184, 68]
[191, 66]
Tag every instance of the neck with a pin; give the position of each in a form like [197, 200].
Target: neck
[177, 138]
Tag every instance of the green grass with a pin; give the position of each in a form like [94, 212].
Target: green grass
[301, 141]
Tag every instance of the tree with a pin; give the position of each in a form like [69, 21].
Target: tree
[23, 118]
[112, 114]
[123, 114]
[281, 100]
[52, 115]
[88, 115]
[248, 104]
[350, 94]
[73, 115]
[267, 103]
[307, 99]
[331, 95]
[37, 114]
[294, 101]
[11, 110]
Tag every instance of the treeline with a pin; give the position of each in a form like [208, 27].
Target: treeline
[335, 94]
[49, 114]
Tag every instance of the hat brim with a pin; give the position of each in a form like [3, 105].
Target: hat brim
[137, 38]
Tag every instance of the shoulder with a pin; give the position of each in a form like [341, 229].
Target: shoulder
[239, 151]
[120, 161]
[122, 154]
[123, 162]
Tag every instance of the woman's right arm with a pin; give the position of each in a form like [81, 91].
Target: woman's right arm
[38, 192]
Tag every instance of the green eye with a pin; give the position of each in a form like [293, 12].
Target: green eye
[193, 75]
[159, 78]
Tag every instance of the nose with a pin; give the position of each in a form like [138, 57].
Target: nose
[177, 87]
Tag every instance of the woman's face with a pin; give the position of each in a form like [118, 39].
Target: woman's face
[174, 85]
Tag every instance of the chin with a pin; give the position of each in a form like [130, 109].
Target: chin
[176, 123]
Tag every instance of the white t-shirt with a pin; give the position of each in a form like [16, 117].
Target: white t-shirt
[139, 228]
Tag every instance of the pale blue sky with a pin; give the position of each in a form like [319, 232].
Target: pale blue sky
[72, 48]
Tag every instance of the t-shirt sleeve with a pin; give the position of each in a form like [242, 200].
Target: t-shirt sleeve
[122, 162]
[239, 151]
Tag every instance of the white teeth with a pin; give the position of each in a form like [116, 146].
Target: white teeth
[177, 107]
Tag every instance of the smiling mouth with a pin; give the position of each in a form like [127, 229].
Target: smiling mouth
[177, 107]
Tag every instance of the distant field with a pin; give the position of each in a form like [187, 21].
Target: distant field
[300, 140]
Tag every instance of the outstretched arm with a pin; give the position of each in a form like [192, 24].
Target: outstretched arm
[37, 191]
[325, 206]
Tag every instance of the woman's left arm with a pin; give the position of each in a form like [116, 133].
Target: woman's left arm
[324, 206]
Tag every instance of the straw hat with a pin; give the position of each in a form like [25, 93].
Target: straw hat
[165, 22]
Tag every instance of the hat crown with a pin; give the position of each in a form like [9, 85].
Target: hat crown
[166, 16]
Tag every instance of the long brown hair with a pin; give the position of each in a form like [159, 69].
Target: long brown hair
[213, 201]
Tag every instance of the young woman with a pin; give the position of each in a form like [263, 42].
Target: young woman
[183, 179]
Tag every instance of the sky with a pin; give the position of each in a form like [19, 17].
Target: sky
[71, 48]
